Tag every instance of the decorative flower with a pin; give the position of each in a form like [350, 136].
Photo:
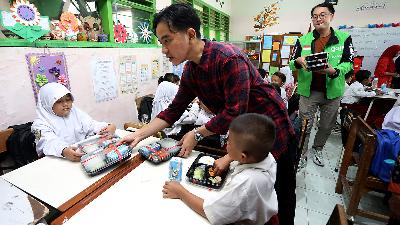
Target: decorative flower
[120, 34]
[25, 13]
[62, 79]
[68, 22]
[55, 71]
[41, 80]
[42, 69]
[146, 33]
[34, 60]
[58, 62]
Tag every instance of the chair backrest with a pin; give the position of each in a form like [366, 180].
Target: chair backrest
[3, 138]
[348, 119]
[338, 216]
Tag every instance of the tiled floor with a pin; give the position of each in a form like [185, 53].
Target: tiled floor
[315, 190]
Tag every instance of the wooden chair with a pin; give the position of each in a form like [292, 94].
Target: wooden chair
[3, 147]
[364, 182]
[345, 129]
[338, 216]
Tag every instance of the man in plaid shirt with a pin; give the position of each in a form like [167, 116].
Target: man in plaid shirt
[229, 85]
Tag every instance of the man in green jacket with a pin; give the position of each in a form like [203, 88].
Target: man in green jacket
[321, 89]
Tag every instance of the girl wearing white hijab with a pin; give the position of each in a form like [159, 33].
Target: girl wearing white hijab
[392, 120]
[60, 124]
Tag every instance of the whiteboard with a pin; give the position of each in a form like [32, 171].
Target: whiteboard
[371, 42]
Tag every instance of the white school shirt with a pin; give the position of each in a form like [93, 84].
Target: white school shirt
[392, 120]
[355, 92]
[248, 196]
[284, 97]
[54, 133]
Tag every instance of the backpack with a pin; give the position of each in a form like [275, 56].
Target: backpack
[387, 147]
[21, 144]
[145, 108]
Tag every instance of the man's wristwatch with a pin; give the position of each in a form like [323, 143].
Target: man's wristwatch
[197, 135]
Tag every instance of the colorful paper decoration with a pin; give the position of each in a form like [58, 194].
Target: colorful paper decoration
[47, 68]
[120, 34]
[68, 23]
[145, 32]
[266, 55]
[25, 21]
[92, 26]
[266, 18]
[25, 13]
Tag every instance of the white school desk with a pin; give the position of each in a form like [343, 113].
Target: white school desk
[137, 199]
[392, 98]
[60, 182]
[17, 207]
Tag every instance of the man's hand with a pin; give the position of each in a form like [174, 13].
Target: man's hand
[172, 189]
[187, 144]
[132, 139]
[71, 154]
[330, 70]
[302, 62]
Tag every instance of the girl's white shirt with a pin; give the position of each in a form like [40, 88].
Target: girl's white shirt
[54, 133]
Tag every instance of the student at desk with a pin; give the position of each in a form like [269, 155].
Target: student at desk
[60, 124]
[248, 195]
[357, 89]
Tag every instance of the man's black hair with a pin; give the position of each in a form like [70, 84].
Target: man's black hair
[179, 17]
[325, 5]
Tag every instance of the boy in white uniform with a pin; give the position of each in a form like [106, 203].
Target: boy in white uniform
[60, 124]
[248, 196]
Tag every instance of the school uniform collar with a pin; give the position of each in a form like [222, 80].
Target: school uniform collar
[265, 166]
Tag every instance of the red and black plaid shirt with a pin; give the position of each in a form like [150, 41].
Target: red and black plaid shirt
[229, 85]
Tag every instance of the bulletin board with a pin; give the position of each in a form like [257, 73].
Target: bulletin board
[276, 50]
[47, 68]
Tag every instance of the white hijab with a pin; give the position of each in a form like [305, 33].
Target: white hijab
[392, 120]
[58, 132]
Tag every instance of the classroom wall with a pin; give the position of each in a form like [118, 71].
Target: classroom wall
[17, 99]
[225, 8]
[294, 16]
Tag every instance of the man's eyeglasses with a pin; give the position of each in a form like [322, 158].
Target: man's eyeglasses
[322, 16]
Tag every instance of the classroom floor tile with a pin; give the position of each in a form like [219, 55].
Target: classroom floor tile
[315, 192]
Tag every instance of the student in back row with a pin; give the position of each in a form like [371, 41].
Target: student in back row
[248, 196]
[60, 124]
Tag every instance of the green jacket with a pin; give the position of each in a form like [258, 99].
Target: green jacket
[340, 57]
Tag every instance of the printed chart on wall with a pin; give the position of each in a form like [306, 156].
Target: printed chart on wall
[47, 68]
[128, 74]
[104, 82]
[166, 64]
[155, 68]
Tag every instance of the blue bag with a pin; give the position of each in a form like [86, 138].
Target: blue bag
[387, 147]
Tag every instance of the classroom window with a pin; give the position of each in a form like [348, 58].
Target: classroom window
[136, 21]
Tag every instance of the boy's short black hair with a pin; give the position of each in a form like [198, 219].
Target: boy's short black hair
[262, 72]
[325, 5]
[179, 17]
[281, 75]
[256, 132]
[349, 74]
[170, 77]
[362, 75]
